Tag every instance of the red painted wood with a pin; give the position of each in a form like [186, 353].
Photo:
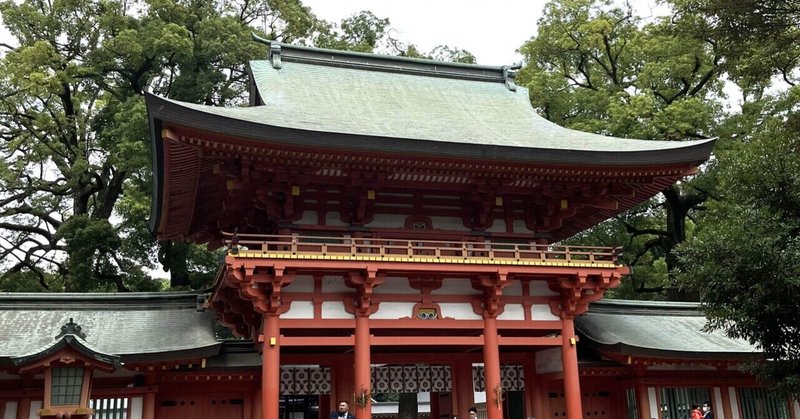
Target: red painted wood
[569, 358]
[491, 369]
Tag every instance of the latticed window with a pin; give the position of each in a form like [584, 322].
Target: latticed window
[630, 396]
[758, 403]
[109, 408]
[676, 403]
[66, 386]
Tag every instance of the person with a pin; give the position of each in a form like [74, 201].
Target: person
[696, 413]
[473, 412]
[342, 412]
[707, 413]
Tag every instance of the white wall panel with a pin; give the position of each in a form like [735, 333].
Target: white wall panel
[459, 311]
[542, 312]
[334, 310]
[300, 310]
[512, 312]
[388, 310]
[301, 283]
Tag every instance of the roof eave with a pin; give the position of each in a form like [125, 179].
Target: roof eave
[167, 111]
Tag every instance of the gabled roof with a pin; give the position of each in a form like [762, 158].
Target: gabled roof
[348, 100]
[657, 329]
[345, 107]
[135, 327]
[70, 337]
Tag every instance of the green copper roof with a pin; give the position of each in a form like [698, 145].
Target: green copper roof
[650, 328]
[326, 98]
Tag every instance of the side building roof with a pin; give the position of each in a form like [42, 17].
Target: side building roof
[148, 327]
[657, 329]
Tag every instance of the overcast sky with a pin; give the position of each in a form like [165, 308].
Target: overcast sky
[492, 31]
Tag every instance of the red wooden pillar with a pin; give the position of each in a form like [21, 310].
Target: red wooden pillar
[569, 359]
[491, 369]
[534, 403]
[24, 408]
[149, 405]
[642, 399]
[270, 368]
[463, 388]
[727, 409]
[363, 378]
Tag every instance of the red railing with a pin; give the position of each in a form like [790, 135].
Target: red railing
[358, 247]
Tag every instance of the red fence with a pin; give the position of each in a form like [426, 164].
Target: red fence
[307, 245]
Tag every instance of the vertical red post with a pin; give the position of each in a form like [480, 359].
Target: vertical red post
[569, 359]
[462, 386]
[534, 404]
[491, 369]
[642, 399]
[363, 378]
[270, 368]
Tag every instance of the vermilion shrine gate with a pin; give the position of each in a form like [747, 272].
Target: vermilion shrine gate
[383, 210]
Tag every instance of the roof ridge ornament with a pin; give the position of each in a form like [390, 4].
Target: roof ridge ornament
[274, 54]
[509, 74]
[71, 328]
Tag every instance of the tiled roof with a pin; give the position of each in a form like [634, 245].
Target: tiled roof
[326, 98]
[661, 329]
[135, 326]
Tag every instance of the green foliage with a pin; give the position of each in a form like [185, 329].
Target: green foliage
[594, 66]
[73, 128]
[746, 259]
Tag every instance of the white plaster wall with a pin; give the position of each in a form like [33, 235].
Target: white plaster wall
[459, 311]
[548, 360]
[795, 407]
[653, 401]
[542, 312]
[390, 310]
[498, 226]
[448, 223]
[136, 407]
[512, 312]
[456, 286]
[301, 283]
[334, 284]
[519, 227]
[540, 289]
[387, 221]
[734, 403]
[719, 413]
[395, 285]
[11, 410]
[514, 288]
[309, 217]
[36, 406]
[334, 310]
[300, 310]
[334, 219]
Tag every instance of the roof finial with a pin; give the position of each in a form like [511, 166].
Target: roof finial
[71, 328]
[509, 74]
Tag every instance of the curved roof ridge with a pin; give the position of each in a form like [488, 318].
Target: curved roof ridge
[280, 52]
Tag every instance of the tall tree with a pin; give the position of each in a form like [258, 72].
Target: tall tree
[594, 66]
[744, 257]
[74, 130]
[745, 260]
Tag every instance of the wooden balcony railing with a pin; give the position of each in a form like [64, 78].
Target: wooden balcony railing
[358, 248]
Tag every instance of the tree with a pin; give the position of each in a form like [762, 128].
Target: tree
[594, 66]
[75, 187]
[74, 130]
[746, 259]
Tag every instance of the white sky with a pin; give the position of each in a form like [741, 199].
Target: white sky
[492, 31]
